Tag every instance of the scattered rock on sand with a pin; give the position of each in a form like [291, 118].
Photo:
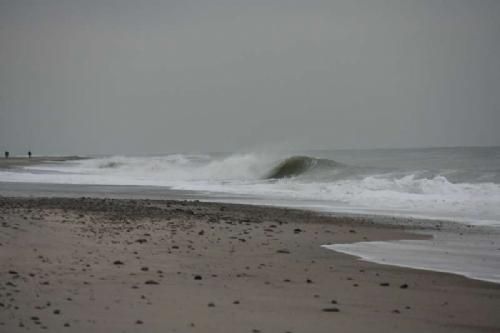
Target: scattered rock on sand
[331, 310]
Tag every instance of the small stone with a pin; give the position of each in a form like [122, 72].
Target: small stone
[404, 286]
[56, 311]
[197, 277]
[331, 310]
[150, 282]
[117, 262]
[384, 284]
[211, 305]
[138, 322]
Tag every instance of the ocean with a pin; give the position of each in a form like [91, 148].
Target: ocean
[453, 184]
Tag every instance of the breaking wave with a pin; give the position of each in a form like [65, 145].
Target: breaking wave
[298, 165]
[202, 167]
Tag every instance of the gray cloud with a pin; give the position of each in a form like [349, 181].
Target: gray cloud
[162, 76]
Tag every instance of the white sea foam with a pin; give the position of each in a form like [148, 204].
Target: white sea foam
[340, 188]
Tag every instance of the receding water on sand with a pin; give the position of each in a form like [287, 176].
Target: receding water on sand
[475, 256]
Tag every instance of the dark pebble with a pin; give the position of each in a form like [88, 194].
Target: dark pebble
[331, 310]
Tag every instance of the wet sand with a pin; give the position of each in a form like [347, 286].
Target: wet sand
[103, 265]
[16, 161]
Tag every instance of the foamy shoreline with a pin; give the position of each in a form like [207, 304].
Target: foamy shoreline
[432, 190]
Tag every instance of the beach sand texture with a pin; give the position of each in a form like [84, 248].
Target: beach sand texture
[102, 265]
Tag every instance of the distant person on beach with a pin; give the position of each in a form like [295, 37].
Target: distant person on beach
[29, 154]
[6, 154]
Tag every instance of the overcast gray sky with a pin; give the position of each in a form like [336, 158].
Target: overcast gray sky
[151, 76]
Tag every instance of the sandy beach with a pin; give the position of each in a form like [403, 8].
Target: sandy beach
[103, 265]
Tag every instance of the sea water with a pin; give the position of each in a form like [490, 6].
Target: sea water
[456, 184]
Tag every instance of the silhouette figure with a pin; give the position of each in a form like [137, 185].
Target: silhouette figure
[29, 154]
[6, 154]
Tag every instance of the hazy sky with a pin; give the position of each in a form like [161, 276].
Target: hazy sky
[128, 76]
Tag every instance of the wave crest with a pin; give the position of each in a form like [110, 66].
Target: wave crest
[298, 165]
